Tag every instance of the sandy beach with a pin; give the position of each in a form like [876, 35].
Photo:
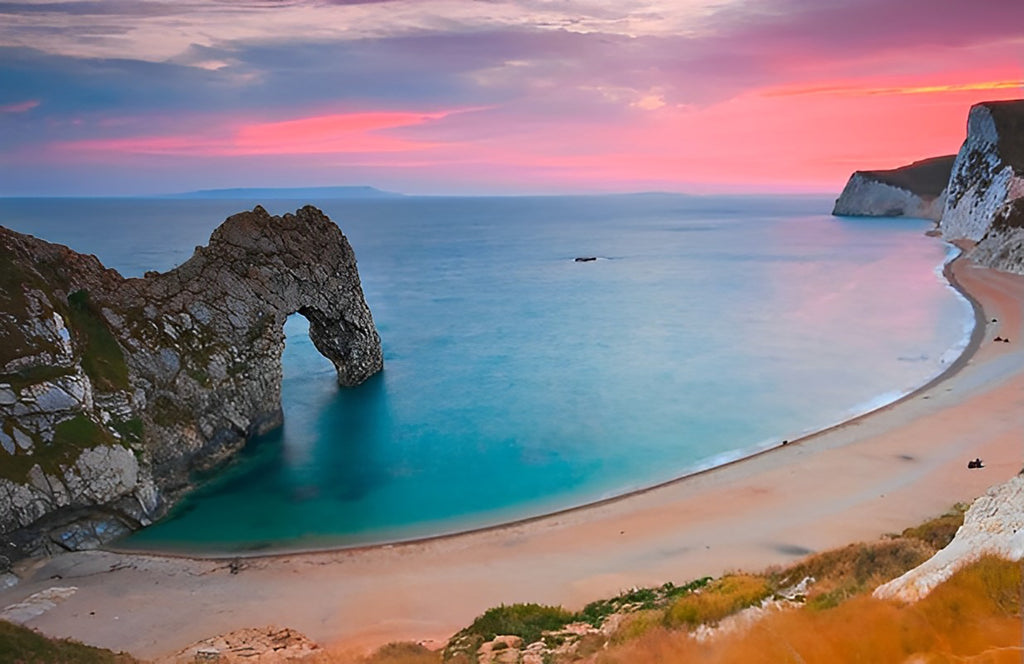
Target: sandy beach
[876, 474]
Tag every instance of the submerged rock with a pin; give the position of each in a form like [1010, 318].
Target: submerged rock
[114, 390]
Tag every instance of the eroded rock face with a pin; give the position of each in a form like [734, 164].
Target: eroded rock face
[994, 525]
[113, 390]
[1002, 246]
[986, 188]
[916, 190]
[989, 170]
[976, 196]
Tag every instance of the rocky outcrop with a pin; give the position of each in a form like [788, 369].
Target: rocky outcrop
[265, 645]
[915, 190]
[989, 170]
[1002, 246]
[983, 203]
[113, 390]
[994, 525]
[975, 197]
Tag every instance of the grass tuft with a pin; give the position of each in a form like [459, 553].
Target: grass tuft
[938, 532]
[719, 599]
[527, 621]
[637, 599]
[843, 573]
[20, 645]
[102, 357]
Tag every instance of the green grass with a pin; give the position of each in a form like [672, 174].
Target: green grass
[32, 375]
[20, 645]
[719, 599]
[527, 621]
[939, 532]
[102, 357]
[638, 599]
[70, 437]
[13, 280]
[131, 430]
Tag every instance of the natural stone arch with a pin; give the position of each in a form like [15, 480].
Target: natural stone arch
[179, 367]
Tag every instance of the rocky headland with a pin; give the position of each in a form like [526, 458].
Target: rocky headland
[982, 203]
[113, 391]
[915, 190]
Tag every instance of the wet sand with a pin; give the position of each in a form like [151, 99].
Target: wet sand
[876, 474]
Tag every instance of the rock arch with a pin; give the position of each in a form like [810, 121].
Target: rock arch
[179, 367]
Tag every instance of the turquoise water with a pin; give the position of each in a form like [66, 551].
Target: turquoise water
[518, 382]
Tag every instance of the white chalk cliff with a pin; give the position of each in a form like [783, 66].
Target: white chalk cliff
[985, 198]
[994, 525]
[988, 172]
[915, 190]
[982, 200]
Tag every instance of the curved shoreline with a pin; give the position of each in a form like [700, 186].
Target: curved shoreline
[970, 348]
[877, 474]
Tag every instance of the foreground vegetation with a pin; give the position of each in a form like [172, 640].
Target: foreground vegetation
[20, 645]
[830, 617]
[817, 610]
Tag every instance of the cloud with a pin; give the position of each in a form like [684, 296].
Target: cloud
[325, 134]
[19, 107]
[592, 88]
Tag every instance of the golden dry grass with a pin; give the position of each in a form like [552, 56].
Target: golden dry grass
[843, 573]
[975, 616]
[402, 652]
[719, 599]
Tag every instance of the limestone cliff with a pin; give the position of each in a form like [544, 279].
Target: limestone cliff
[994, 525]
[1002, 246]
[976, 196]
[989, 169]
[113, 390]
[915, 190]
[986, 186]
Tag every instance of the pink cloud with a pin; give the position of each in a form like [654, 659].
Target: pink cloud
[323, 134]
[20, 107]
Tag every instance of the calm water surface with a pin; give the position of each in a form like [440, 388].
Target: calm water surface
[518, 381]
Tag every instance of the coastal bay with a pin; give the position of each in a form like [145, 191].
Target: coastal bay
[872, 475]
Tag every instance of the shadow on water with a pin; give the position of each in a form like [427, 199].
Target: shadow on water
[352, 426]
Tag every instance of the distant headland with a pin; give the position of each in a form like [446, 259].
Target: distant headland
[976, 197]
[304, 193]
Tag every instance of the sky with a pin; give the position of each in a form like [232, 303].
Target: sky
[125, 97]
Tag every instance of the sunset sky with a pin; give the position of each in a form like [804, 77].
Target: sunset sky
[490, 96]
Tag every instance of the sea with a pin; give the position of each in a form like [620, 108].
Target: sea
[519, 382]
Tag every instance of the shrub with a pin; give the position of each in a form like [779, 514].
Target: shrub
[527, 621]
[403, 652]
[939, 532]
[842, 573]
[719, 599]
[637, 624]
[637, 599]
